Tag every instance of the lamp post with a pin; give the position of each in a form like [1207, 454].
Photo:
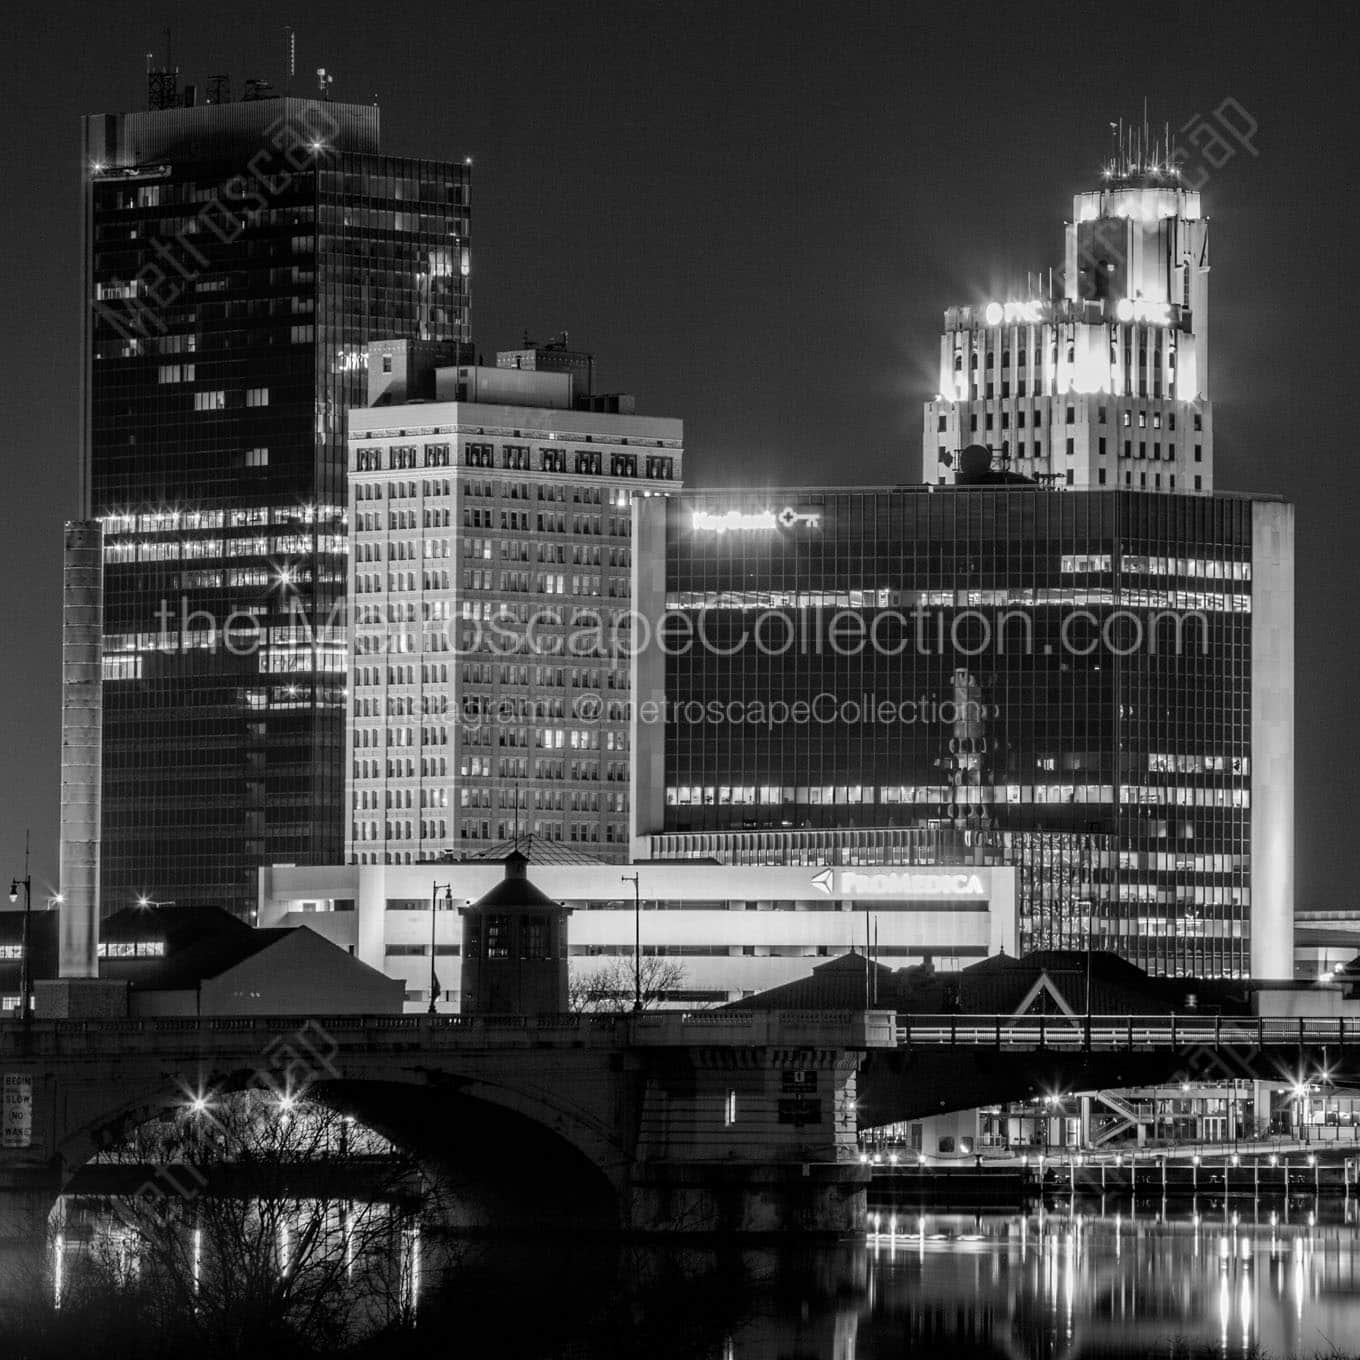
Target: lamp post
[637, 938]
[435, 890]
[25, 966]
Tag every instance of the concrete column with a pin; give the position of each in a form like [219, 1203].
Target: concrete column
[646, 790]
[1272, 740]
[82, 710]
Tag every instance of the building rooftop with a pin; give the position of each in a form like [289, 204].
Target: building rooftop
[786, 494]
[1045, 982]
[534, 849]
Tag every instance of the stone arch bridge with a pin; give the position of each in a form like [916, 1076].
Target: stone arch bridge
[652, 1122]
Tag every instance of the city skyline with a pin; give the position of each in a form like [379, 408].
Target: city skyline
[863, 397]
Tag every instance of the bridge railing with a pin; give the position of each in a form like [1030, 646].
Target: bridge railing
[845, 1029]
[1126, 1032]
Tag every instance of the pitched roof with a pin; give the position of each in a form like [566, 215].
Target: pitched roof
[177, 926]
[1000, 984]
[185, 966]
[837, 984]
[514, 890]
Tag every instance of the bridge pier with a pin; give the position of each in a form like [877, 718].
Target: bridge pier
[749, 1138]
[726, 1197]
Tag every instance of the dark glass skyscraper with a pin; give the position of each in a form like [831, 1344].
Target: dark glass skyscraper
[239, 258]
[1093, 686]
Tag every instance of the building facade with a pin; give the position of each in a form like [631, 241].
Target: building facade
[491, 530]
[1101, 378]
[732, 931]
[1095, 687]
[239, 257]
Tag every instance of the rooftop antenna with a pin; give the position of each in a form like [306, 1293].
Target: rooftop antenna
[1145, 128]
[162, 84]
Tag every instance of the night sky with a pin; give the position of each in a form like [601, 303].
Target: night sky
[755, 214]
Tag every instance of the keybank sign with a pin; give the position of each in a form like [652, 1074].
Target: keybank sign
[896, 883]
[736, 521]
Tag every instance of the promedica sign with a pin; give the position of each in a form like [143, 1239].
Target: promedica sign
[896, 883]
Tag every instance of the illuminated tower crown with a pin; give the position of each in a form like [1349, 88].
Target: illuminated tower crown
[1104, 381]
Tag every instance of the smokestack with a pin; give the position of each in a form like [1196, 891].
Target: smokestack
[81, 730]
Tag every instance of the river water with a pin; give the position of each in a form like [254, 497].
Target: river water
[1074, 1278]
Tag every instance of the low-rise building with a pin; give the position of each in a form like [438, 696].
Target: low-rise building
[731, 930]
[201, 961]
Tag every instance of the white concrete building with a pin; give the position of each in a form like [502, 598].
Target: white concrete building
[1101, 377]
[734, 929]
[490, 531]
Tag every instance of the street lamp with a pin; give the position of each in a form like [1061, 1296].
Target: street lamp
[637, 938]
[435, 890]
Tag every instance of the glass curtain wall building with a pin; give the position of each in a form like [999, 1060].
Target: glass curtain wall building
[1095, 687]
[239, 257]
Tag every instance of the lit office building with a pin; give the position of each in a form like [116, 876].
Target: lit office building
[1101, 377]
[491, 531]
[1095, 687]
[239, 257]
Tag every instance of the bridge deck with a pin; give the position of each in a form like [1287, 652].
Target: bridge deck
[689, 1029]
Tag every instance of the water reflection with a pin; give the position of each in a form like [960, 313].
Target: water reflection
[1091, 1280]
[1071, 1280]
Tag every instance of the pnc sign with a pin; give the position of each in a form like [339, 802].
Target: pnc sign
[739, 521]
[1016, 313]
[1136, 309]
[896, 883]
[1035, 312]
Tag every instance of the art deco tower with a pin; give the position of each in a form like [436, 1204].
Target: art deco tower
[1099, 377]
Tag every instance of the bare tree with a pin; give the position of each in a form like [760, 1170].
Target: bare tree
[261, 1222]
[611, 987]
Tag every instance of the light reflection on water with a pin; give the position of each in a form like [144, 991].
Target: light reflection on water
[1081, 1279]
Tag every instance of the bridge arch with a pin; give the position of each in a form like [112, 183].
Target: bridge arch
[507, 1155]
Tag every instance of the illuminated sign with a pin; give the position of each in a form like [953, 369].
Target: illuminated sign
[1015, 313]
[895, 883]
[1036, 313]
[1135, 309]
[729, 521]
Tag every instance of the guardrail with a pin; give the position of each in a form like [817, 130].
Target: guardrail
[1122, 1032]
